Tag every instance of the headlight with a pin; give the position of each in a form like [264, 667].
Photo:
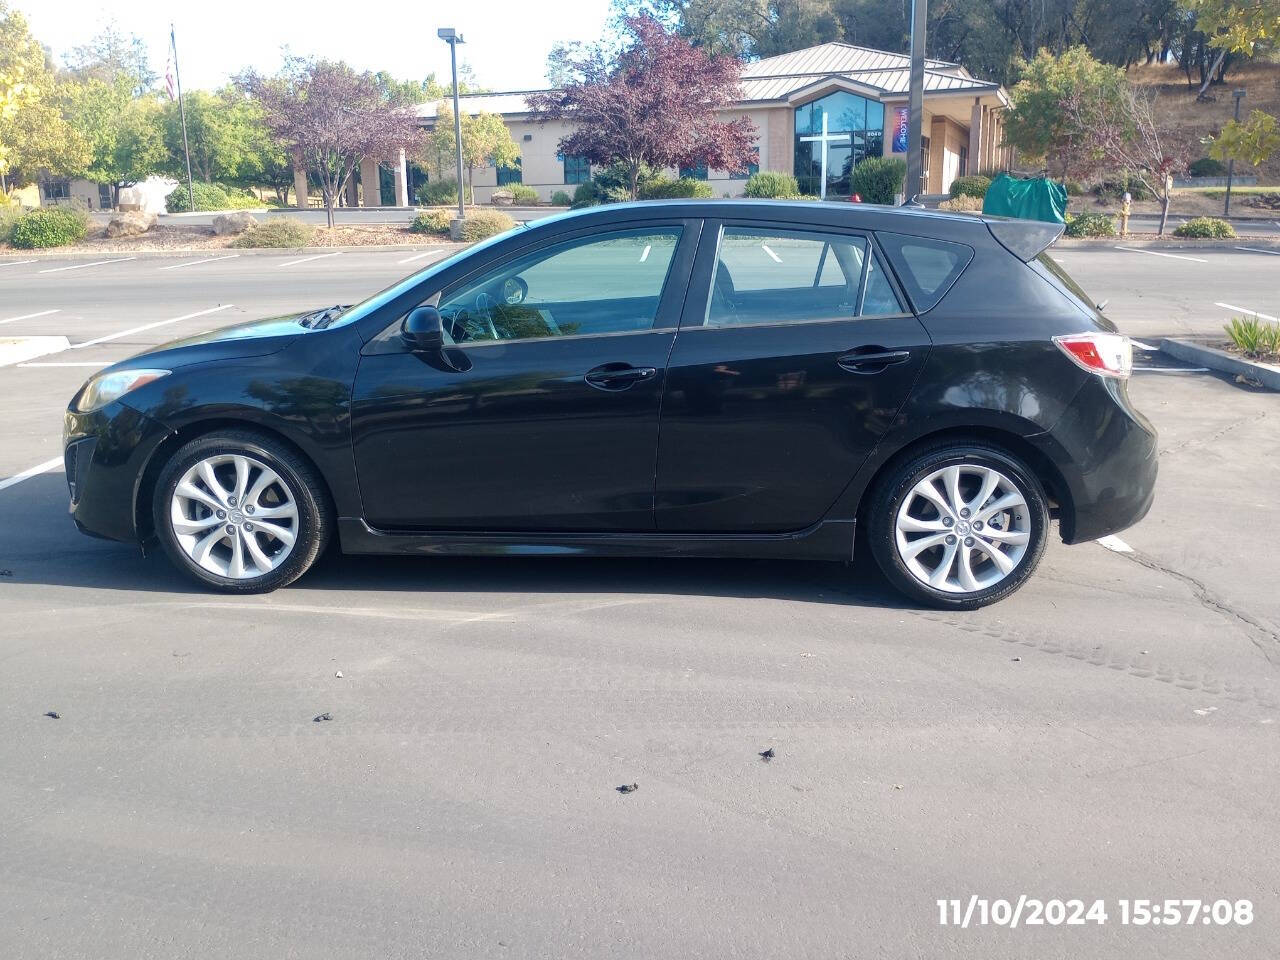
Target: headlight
[108, 387]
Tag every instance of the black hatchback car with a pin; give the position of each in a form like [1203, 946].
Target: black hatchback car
[683, 379]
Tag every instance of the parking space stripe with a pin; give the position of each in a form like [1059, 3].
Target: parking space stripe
[1246, 310]
[1115, 544]
[318, 256]
[192, 263]
[417, 256]
[81, 266]
[29, 473]
[150, 326]
[86, 363]
[1157, 253]
[29, 316]
[1273, 253]
[14, 263]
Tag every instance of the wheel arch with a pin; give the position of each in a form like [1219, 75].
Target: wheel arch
[1062, 505]
[144, 492]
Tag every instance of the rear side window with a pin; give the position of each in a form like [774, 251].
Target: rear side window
[926, 267]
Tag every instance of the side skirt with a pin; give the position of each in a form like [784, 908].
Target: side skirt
[826, 540]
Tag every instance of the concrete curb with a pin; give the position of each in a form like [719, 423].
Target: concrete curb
[20, 349]
[1198, 353]
[1107, 243]
[66, 254]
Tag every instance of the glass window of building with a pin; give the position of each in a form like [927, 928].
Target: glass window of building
[854, 131]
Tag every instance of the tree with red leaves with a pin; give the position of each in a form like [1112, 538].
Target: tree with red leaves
[653, 102]
[330, 118]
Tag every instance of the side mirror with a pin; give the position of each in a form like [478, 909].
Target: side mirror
[423, 330]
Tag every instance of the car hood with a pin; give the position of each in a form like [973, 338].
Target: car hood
[254, 338]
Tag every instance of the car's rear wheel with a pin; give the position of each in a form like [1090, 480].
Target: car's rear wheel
[958, 525]
[241, 512]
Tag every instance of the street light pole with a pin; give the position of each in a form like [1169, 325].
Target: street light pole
[1231, 161]
[453, 38]
[915, 101]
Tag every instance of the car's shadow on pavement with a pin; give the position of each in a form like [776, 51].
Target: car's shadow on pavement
[40, 545]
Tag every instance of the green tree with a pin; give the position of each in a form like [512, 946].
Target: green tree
[34, 136]
[1235, 26]
[112, 57]
[1251, 142]
[122, 131]
[486, 141]
[226, 133]
[1038, 125]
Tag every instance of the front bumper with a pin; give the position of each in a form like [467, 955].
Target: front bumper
[106, 453]
[1106, 452]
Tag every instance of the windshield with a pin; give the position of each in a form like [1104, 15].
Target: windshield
[386, 295]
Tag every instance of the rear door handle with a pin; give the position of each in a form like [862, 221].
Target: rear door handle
[872, 362]
[618, 376]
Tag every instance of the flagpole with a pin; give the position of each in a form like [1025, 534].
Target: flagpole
[182, 110]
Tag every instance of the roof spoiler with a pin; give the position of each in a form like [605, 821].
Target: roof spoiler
[1025, 239]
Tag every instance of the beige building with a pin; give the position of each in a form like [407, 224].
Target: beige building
[859, 94]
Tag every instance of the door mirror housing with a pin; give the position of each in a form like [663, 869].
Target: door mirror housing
[423, 330]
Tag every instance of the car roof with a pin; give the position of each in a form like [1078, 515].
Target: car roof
[916, 221]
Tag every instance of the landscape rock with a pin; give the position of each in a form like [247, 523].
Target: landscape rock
[130, 224]
[502, 198]
[238, 222]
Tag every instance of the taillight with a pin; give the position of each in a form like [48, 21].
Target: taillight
[1106, 354]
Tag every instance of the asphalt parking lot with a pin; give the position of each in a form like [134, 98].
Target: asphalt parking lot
[1109, 732]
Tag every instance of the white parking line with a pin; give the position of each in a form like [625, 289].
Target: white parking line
[416, 256]
[644, 255]
[1274, 253]
[81, 266]
[1143, 346]
[14, 263]
[32, 472]
[765, 248]
[1246, 310]
[1116, 544]
[86, 363]
[29, 316]
[1157, 253]
[150, 326]
[192, 263]
[318, 256]
[1135, 369]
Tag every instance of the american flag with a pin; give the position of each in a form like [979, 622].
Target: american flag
[170, 81]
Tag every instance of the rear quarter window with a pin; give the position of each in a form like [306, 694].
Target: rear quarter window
[926, 267]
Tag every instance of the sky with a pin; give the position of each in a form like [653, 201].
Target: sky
[506, 41]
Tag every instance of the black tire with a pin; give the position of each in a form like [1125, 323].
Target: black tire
[315, 516]
[901, 477]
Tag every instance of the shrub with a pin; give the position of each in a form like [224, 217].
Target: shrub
[770, 184]
[484, 224]
[1073, 188]
[962, 203]
[49, 227]
[878, 179]
[240, 199]
[664, 188]
[1207, 167]
[613, 184]
[276, 232]
[585, 195]
[208, 196]
[432, 221]
[1114, 189]
[1205, 228]
[561, 199]
[440, 193]
[522, 194]
[975, 186]
[1254, 336]
[1091, 225]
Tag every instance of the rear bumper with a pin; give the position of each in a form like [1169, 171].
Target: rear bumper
[106, 453]
[1106, 453]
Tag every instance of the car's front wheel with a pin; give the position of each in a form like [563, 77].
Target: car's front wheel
[958, 525]
[241, 512]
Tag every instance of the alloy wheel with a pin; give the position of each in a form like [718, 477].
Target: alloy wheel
[234, 516]
[962, 528]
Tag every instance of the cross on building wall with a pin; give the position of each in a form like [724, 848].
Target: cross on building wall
[824, 139]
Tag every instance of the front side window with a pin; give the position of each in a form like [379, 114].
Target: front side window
[767, 276]
[607, 283]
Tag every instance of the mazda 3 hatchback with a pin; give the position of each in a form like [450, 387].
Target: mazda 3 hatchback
[675, 379]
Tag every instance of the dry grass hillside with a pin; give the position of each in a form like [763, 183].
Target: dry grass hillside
[1177, 103]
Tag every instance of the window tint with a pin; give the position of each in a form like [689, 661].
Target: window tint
[926, 267]
[785, 276]
[607, 283]
[879, 299]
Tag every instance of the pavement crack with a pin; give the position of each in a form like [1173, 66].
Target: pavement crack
[1217, 434]
[1263, 637]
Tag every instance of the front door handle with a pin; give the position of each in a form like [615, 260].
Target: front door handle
[872, 362]
[618, 376]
